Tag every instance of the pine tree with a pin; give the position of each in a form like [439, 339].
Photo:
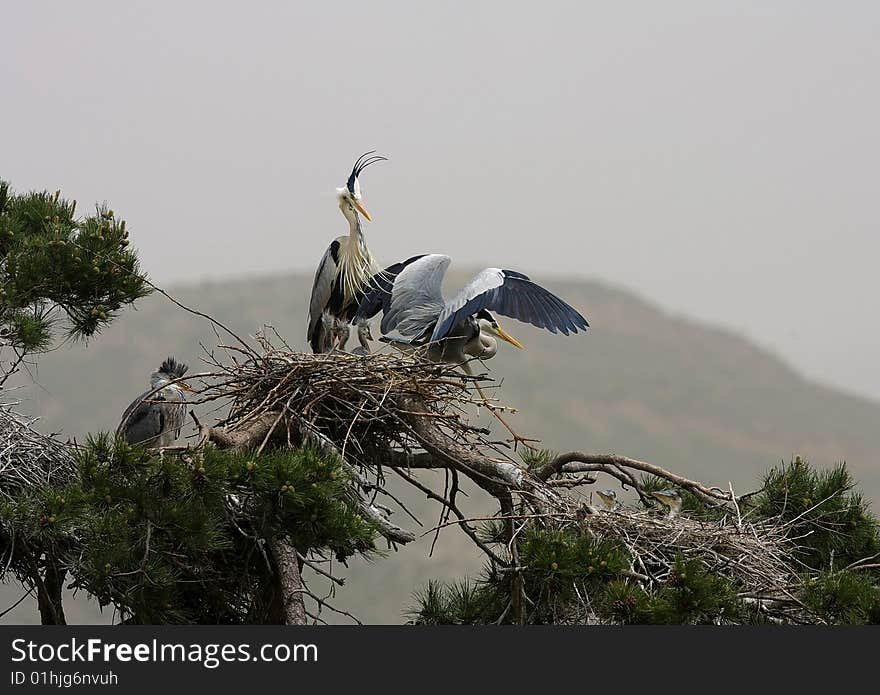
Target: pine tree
[186, 539]
[57, 273]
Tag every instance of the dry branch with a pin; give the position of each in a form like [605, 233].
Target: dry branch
[579, 462]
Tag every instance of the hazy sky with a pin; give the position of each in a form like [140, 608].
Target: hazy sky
[719, 158]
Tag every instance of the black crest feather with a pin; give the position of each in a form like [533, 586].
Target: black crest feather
[173, 368]
[362, 163]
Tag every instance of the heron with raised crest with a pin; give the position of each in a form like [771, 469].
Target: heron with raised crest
[156, 417]
[346, 266]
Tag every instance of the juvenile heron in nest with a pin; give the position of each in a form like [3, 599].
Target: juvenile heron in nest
[347, 266]
[341, 334]
[328, 331]
[462, 328]
[670, 498]
[365, 335]
[156, 417]
[609, 498]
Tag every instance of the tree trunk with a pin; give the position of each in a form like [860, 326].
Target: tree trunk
[49, 590]
[287, 606]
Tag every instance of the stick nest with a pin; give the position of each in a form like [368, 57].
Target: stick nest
[362, 404]
[29, 459]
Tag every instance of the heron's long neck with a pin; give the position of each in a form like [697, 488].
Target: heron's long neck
[488, 347]
[355, 232]
[481, 346]
[358, 240]
[356, 263]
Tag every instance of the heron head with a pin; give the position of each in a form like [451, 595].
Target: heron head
[671, 498]
[489, 324]
[364, 331]
[350, 196]
[608, 497]
[170, 370]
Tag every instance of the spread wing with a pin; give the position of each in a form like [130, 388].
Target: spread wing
[377, 296]
[322, 288]
[512, 294]
[416, 296]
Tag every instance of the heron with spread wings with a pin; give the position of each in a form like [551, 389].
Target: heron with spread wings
[463, 328]
[346, 267]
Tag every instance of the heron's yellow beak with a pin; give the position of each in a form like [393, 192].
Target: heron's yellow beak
[508, 338]
[361, 209]
[185, 386]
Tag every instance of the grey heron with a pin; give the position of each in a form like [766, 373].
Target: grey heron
[156, 417]
[365, 335]
[671, 498]
[462, 328]
[346, 266]
[459, 329]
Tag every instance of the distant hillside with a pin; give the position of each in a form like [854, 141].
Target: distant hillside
[696, 399]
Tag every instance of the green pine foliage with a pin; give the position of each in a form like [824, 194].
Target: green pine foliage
[562, 566]
[184, 539]
[848, 597]
[535, 458]
[561, 562]
[458, 603]
[824, 509]
[692, 595]
[558, 563]
[54, 266]
[689, 595]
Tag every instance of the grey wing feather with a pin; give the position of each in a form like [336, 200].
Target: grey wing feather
[416, 296]
[482, 283]
[512, 294]
[143, 420]
[377, 296]
[322, 287]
